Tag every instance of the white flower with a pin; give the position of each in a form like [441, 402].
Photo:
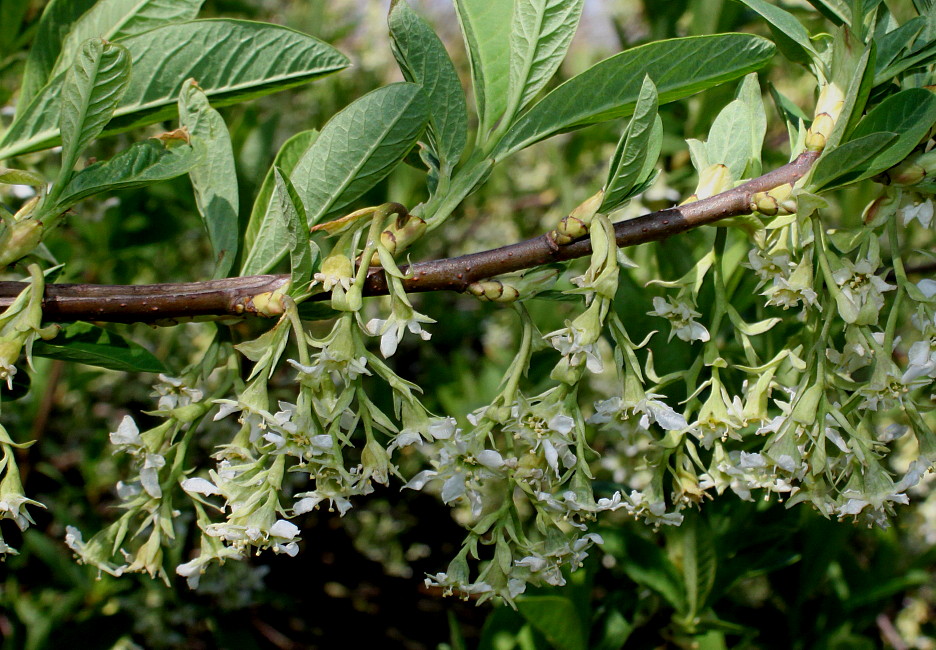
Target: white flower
[173, 393]
[922, 211]
[127, 436]
[200, 486]
[921, 361]
[862, 291]
[392, 329]
[578, 345]
[682, 319]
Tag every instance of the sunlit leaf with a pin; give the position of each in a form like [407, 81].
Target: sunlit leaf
[142, 164]
[423, 60]
[113, 19]
[232, 60]
[90, 93]
[539, 38]
[679, 67]
[486, 28]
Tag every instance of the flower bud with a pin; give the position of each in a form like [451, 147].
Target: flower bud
[402, 232]
[911, 171]
[18, 240]
[880, 210]
[493, 291]
[775, 201]
[576, 223]
[713, 180]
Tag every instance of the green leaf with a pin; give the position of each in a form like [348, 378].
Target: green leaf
[849, 160]
[423, 60]
[882, 139]
[539, 39]
[910, 113]
[738, 131]
[291, 213]
[317, 310]
[90, 93]
[94, 346]
[20, 177]
[486, 28]
[837, 11]
[680, 67]
[895, 42]
[260, 221]
[232, 60]
[142, 164]
[698, 562]
[358, 147]
[214, 177]
[556, 619]
[789, 34]
[113, 19]
[637, 151]
[57, 18]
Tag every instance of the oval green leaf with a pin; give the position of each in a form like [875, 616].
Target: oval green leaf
[94, 346]
[232, 60]
[113, 19]
[423, 60]
[680, 67]
[214, 177]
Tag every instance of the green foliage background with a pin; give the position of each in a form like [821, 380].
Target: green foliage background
[760, 575]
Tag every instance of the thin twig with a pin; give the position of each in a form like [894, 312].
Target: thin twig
[164, 303]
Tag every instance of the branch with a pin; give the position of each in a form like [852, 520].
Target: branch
[155, 303]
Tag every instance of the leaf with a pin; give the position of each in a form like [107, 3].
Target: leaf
[698, 562]
[20, 177]
[738, 131]
[679, 67]
[836, 11]
[214, 177]
[56, 20]
[637, 151]
[539, 39]
[423, 60]
[556, 619]
[788, 32]
[90, 93]
[845, 159]
[358, 147]
[113, 19]
[286, 159]
[232, 60]
[142, 164]
[486, 28]
[94, 346]
[910, 113]
[292, 214]
[882, 139]
[896, 42]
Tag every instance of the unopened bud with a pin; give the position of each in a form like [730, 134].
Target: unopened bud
[713, 180]
[18, 240]
[911, 171]
[493, 291]
[880, 210]
[404, 230]
[819, 132]
[269, 303]
[775, 201]
[576, 223]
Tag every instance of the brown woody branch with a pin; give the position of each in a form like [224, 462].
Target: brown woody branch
[154, 303]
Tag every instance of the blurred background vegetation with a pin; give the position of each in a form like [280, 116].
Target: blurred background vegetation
[778, 578]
